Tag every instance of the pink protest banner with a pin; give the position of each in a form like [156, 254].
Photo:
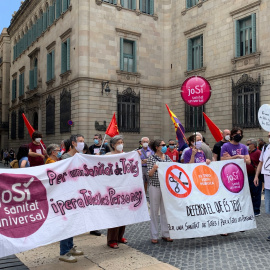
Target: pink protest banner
[44, 204]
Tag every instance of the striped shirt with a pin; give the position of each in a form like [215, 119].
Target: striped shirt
[151, 161]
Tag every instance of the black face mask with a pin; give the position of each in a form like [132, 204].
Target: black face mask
[237, 138]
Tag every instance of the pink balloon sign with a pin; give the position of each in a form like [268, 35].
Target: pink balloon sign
[195, 91]
[232, 177]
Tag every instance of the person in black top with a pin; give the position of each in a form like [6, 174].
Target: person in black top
[217, 147]
[95, 148]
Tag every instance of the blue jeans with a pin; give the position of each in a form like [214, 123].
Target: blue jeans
[66, 245]
[256, 194]
[267, 200]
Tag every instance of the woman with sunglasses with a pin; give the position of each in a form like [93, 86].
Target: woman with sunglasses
[156, 201]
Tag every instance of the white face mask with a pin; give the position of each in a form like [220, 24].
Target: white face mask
[198, 144]
[145, 145]
[269, 139]
[119, 147]
[80, 146]
[227, 137]
[38, 140]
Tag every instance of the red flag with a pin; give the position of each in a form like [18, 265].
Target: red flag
[112, 129]
[216, 132]
[29, 127]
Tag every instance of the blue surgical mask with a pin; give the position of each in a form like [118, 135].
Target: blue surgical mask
[171, 146]
[106, 143]
[95, 141]
[164, 149]
[59, 154]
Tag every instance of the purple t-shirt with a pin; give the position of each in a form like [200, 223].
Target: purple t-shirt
[233, 150]
[199, 157]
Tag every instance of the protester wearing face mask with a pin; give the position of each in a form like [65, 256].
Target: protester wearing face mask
[172, 152]
[37, 151]
[234, 149]
[115, 235]
[204, 147]
[155, 195]
[96, 149]
[217, 147]
[194, 154]
[76, 146]
[54, 153]
[67, 248]
[146, 152]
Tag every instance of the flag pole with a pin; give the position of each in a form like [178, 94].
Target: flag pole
[182, 133]
[42, 146]
[102, 142]
[195, 111]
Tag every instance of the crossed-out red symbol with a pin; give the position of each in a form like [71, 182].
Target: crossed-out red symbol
[171, 176]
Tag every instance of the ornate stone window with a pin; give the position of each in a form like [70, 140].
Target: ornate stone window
[128, 111]
[195, 53]
[191, 117]
[245, 36]
[13, 126]
[50, 115]
[246, 102]
[20, 124]
[65, 111]
[191, 3]
[195, 40]
[33, 72]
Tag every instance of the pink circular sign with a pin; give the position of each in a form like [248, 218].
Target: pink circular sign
[232, 177]
[23, 205]
[195, 91]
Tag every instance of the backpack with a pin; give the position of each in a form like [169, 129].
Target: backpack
[14, 164]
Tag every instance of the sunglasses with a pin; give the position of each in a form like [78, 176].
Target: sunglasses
[171, 144]
[248, 144]
[163, 144]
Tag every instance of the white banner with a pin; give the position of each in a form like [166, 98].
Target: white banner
[45, 204]
[203, 200]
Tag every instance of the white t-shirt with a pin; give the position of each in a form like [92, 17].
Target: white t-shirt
[265, 158]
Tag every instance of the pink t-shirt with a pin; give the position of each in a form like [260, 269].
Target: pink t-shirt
[36, 161]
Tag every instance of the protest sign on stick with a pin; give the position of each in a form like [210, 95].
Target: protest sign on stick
[195, 92]
[264, 117]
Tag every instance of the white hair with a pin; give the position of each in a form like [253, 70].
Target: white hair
[144, 138]
[198, 134]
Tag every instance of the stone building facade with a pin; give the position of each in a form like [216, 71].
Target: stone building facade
[4, 86]
[83, 60]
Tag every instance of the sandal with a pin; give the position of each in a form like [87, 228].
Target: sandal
[167, 239]
[123, 240]
[113, 245]
[154, 241]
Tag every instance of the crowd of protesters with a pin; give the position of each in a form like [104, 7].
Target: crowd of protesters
[195, 150]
